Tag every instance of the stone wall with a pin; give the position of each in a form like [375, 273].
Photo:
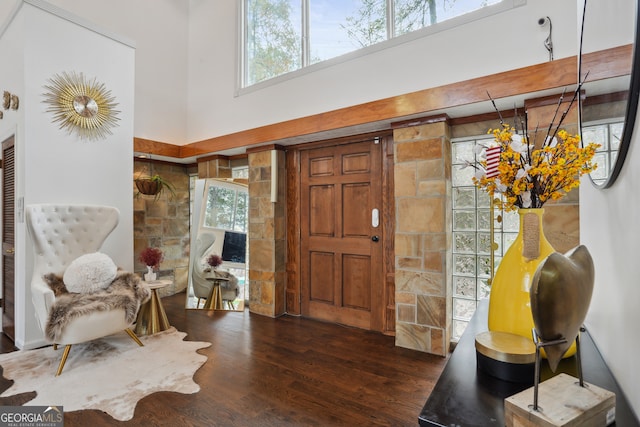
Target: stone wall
[422, 188]
[164, 223]
[267, 235]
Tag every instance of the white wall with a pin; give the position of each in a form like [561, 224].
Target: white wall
[497, 43]
[51, 165]
[158, 29]
[610, 229]
[187, 53]
[12, 80]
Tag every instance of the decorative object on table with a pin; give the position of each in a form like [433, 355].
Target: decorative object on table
[151, 257]
[214, 261]
[528, 175]
[564, 403]
[114, 375]
[509, 309]
[506, 356]
[81, 106]
[560, 295]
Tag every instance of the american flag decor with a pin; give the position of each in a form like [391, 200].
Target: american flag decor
[493, 160]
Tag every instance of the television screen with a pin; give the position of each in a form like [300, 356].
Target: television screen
[234, 248]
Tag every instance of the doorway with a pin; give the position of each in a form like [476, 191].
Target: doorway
[8, 237]
[343, 248]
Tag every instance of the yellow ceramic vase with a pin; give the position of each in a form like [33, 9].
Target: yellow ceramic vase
[509, 302]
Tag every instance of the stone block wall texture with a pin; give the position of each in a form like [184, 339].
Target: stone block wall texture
[267, 236]
[422, 175]
[164, 223]
[217, 167]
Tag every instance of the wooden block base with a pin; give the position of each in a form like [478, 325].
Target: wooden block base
[561, 402]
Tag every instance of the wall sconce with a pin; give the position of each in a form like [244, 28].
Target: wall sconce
[6, 100]
[274, 176]
[548, 43]
[9, 100]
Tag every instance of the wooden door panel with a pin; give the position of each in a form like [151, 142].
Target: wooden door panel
[321, 275]
[341, 268]
[322, 210]
[356, 220]
[342, 315]
[356, 282]
[356, 163]
[321, 166]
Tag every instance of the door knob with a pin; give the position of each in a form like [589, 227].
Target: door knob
[10, 251]
[375, 238]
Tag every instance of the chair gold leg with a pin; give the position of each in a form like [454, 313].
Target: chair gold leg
[65, 354]
[134, 337]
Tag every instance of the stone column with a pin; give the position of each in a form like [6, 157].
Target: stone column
[267, 236]
[214, 167]
[422, 175]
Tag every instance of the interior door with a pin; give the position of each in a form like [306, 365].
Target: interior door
[341, 234]
[8, 237]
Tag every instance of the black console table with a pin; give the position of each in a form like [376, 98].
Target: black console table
[466, 397]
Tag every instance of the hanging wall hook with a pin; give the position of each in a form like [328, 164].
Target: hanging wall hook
[548, 43]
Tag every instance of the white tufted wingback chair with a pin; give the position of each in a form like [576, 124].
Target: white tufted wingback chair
[60, 234]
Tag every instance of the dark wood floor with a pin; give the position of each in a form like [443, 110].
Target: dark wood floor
[283, 372]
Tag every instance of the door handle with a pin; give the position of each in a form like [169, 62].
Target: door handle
[375, 218]
[375, 238]
[10, 251]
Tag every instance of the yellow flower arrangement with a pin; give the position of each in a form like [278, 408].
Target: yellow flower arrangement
[528, 176]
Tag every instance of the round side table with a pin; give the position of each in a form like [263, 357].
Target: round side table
[151, 317]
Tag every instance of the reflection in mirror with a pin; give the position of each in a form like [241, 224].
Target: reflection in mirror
[219, 246]
[608, 107]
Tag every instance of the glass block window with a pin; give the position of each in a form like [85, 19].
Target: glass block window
[608, 135]
[472, 236]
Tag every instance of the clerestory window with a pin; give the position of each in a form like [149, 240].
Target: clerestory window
[281, 36]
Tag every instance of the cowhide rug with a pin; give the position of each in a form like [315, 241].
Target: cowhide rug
[110, 374]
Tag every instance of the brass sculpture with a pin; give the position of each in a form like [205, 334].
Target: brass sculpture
[560, 295]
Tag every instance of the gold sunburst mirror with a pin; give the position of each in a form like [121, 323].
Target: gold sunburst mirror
[82, 106]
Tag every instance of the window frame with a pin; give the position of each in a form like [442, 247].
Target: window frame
[241, 73]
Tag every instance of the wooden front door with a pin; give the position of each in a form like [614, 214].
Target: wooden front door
[341, 240]
[8, 237]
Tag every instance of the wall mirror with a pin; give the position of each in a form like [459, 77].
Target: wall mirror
[219, 228]
[609, 103]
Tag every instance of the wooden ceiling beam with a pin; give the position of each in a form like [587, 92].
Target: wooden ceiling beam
[540, 77]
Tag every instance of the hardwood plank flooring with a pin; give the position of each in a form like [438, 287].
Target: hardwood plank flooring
[287, 371]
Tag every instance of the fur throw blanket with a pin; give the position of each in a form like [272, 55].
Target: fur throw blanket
[125, 292]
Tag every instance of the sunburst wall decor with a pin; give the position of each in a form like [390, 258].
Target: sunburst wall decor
[82, 106]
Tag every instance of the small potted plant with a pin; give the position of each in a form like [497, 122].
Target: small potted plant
[214, 261]
[151, 257]
[154, 185]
